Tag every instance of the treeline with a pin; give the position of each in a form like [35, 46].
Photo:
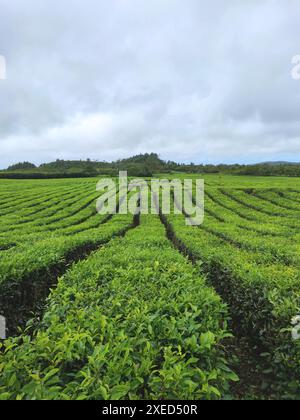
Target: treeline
[287, 169]
[143, 165]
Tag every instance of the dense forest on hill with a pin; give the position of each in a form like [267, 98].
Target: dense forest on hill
[141, 165]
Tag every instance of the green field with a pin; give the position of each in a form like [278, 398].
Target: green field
[144, 307]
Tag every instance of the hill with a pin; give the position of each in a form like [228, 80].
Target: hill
[142, 165]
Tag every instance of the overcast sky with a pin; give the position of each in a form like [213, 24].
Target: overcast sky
[193, 80]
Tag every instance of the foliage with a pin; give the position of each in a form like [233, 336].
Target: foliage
[134, 318]
[144, 165]
[21, 166]
[248, 247]
[132, 321]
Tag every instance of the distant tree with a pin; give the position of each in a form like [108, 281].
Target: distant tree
[22, 166]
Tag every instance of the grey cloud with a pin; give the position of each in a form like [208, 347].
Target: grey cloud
[195, 80]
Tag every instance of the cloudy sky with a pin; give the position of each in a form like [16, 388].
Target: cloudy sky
[191, 80]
